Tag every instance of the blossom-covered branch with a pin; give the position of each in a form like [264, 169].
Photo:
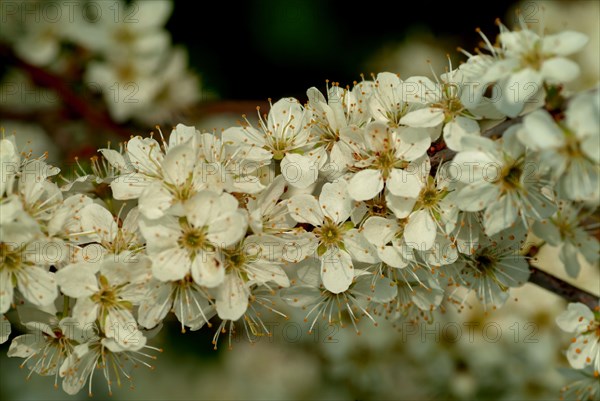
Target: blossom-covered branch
[342, 206]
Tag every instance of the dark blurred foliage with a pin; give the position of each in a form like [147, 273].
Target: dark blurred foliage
[273, 48]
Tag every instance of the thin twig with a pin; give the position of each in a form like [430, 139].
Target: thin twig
[562, 288]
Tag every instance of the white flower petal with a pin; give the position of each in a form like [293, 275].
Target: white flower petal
[207, 269]
[404, 183]
[427, 298]
[337, 270]
[116, 160]
[145, 155]
[591, 147]
[583, 116]
[414, 143]
[147, 16]
[71, 328]
[381, 291]
[442, 253]
[395, 256]
[512, 270]
[379, 230]
[37, 285]
[476, 196]
[205, 206]
[299, 171]
[264, 272]
[583, 348]
[425, 117]
[6, 290]
[500, 214]
[182, 134]
[98, 219]
[471, 166]
[455, 130]
[576, 318]
[568, 257]
[4, 329]
[232, 298]
[85, 311]
[365, 184]
[359, 248]
[155, 305]
[268, 198]
[127, 267]
[133, 342]
[420, 231]
[155, 200]
[78, 280]
[178, 164]
[558, 70]
[283, 111]
[564, 43]
[540, 131]
[243, 135]
[335, 201]
[518, 89]
[228, 230]
[129, 186]
[76, 368]
[122, 327]
[305, 208]
[401, 206]
[300, 295]
[495, 71]
[25, 345]
[171, 264]
[376, 136]
[160, 234]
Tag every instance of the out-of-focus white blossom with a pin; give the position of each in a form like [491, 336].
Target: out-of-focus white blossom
[585, 326]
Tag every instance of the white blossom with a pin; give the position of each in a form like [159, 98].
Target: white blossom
[382, 158]
[193, 244]
[284, 132]
[501, 180]
[584, 323]
[569, 148]
[495, 267]
[339, 241]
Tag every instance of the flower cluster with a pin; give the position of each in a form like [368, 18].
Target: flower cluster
[122, 48]
[341, 206]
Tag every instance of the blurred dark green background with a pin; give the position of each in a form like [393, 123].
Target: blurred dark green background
[273, 48]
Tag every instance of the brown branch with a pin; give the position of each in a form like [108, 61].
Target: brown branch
[562, 288]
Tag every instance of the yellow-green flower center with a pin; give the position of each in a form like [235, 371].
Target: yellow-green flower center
[450, 103]
[193, 238]
[330, 234]
[510, 176]
[10, 258]
[386, 160]
[107, 296]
